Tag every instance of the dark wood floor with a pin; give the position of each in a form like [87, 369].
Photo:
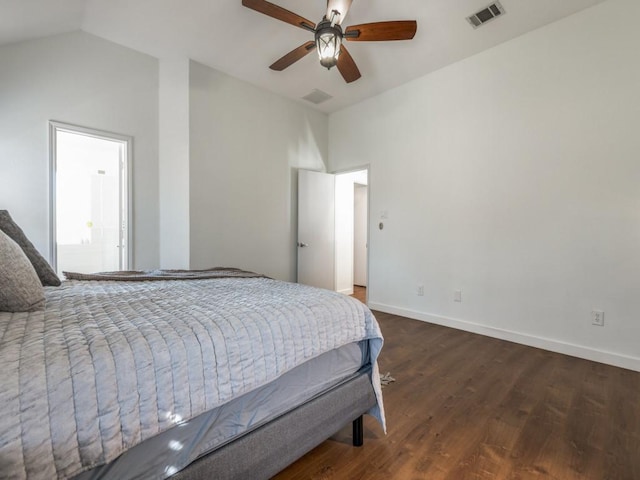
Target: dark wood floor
[466, 406]
[360, 293]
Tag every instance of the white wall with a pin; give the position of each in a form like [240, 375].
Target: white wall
[79, 79]
[360, 234]
[514, 176]
[344, 234]
[174, 162]
[246, 145]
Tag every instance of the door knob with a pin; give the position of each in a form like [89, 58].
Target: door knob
[302, 244]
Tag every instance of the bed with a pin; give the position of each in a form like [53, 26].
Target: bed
[188, 379]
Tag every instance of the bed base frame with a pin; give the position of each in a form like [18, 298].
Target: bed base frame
[267, 450]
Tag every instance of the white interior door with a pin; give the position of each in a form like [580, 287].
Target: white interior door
[316, 229]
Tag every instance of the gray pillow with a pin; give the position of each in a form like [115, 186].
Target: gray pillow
[43, 269]
[20, 287]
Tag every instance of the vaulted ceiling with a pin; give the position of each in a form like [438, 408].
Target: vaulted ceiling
[243, 43]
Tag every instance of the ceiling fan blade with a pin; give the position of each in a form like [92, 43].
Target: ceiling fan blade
[341, 6]
[382, 31]
[293, 56]
[347, 67]
[279, 13]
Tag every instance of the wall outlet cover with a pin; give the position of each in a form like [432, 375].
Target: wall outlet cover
[597, 318]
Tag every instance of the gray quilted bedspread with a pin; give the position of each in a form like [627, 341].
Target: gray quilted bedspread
[109, 364]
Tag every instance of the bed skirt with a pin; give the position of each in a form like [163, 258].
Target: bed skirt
[262, 453]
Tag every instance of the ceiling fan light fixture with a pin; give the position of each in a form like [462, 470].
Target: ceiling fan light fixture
[328, 43]
[329, 36]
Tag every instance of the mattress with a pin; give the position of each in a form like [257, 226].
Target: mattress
[109, 365]
[169, 452]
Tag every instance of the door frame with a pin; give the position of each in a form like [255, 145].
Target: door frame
[366, 167]
[126, 203]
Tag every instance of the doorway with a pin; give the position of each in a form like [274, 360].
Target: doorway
[333, 229]
[351, 230]
[89, 199]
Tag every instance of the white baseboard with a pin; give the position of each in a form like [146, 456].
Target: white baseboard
[346, 291]
[610, 358]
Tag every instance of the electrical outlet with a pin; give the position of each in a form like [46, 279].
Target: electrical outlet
[420, 290]
[457, 296]
[597, 318]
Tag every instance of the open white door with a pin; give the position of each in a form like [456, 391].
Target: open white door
[316, 229]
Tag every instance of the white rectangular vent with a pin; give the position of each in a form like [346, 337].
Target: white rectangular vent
[483, 16]
[317, 96]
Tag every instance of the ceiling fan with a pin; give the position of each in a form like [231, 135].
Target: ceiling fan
[329, 35]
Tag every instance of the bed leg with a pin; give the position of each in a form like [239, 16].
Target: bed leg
[358, 431]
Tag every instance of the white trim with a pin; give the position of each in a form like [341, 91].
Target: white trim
[609, 358]
[53, 254]
[346, 291]
[352, 170]
[369, 223]
[126, 179]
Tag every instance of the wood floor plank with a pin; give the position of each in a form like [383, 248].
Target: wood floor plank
[470, 407]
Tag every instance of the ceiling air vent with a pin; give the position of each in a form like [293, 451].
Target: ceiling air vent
[483, 16]
[317, 96]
